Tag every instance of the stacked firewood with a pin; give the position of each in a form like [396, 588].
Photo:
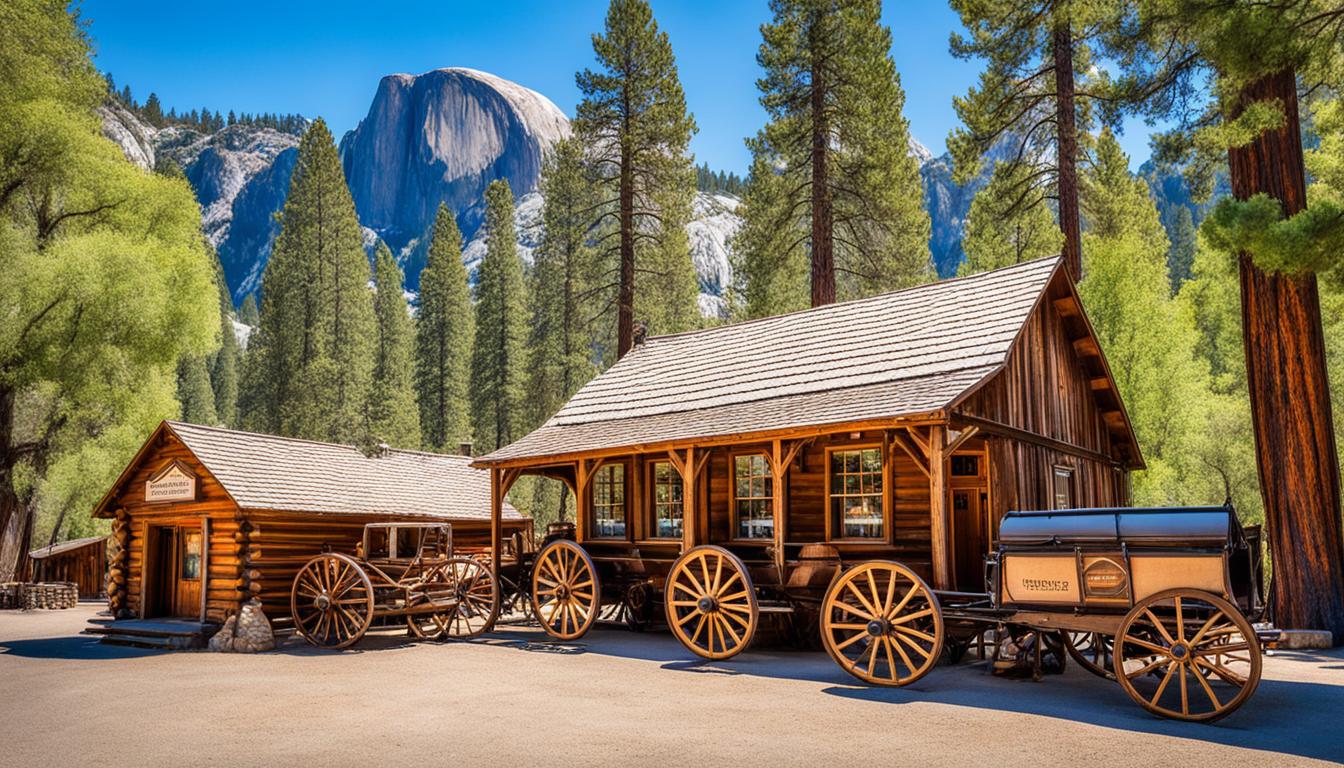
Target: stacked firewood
[54, 595]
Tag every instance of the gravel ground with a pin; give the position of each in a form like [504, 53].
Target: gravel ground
[618, 698]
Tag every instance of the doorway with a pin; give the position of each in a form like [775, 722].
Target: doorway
[175, 560]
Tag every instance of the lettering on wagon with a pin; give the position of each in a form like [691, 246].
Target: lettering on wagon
[1047, 585]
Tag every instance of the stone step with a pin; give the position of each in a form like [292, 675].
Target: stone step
[150, 633]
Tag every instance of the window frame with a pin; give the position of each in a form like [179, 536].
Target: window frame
[733, 497]
[651, 499]
[1057, 472]
[831, 533]
[625, 500]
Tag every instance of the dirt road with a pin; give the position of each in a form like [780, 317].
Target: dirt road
[616, 699]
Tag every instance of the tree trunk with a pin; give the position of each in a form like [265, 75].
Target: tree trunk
[823, 213]
[625, 299]
[1067, 151]
[1289, 389]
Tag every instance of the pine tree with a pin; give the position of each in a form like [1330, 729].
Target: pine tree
[1257, 54]
[224, 362]
[154, 111]
[769, 276]
[1184, 242]
[310, 364]
[444, 329]
[835, 154]
[1003, 229]
[1035, 54]
[193, 391]
[393, 415]
[498, 360]
[636, 130]
[248, 314]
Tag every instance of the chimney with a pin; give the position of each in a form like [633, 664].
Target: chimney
[464, 448]
[641, 332]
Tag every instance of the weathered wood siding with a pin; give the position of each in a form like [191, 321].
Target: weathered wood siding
[85, 567]
[1046, 388]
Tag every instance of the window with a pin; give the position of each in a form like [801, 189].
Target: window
[377, 538]
[609, 501]
[191, 555]
[856, 493]
[1063, 484]
[753, 497]
[667, 501]
[965, 466]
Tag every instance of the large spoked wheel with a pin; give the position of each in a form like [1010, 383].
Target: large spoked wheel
[882, 624]
[711, 603]
[1187, 655]
[331, 601]
[566, 594]
[435, 590]
[476, 598]
[1094, 651]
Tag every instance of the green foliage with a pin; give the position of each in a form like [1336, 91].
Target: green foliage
[444, 330]
[499, 355]
[1003, 229]
[248, 313]
[310, 365]
[713, 182]
[194, 392]
[393, 414]
[769, 276]
[635, 130]
[1309, 241]
[106, 278]
[223, 364]
[1181, 255]
[835, 103]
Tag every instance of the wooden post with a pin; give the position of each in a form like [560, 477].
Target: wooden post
[939, 511]
[686, 466]
[205, 565]
[777, 503]
[496, 520]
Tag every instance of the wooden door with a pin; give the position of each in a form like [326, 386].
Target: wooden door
[176, 566]
[969, 543]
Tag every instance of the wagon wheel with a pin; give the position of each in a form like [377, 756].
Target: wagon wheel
[882, 624]
[434, 587]
[331, 601]
[566, 593]
[1093, 651]
[1187, 655]
[711, 603]
[475, 597]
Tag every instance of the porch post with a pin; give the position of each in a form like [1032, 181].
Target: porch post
[777, 470]
[496, 520]
[939, 512]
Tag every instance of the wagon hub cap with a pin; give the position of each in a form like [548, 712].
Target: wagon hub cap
[561, 592]
[322, 602]
[707, 604]
[877, 628]
[1179, 652]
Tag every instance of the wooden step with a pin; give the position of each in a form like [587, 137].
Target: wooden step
[150, 633]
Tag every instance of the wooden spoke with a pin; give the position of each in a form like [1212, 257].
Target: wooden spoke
[331, 601]
[711, 586]
[1092, 651]
[899, 641]
[472, 597]
[1169, 637]
[566, 600]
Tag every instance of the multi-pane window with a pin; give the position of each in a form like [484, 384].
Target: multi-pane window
[856, 493]
[667, 501]
[753, 497]
[191, 555]
[609, 501]
[1063, 479]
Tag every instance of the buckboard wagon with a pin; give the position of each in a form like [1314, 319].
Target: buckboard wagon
[402, 571]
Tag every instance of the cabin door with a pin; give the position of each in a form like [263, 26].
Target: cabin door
[177, 571]
[969, 542]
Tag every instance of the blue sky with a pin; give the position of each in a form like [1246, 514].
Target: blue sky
[325, 58]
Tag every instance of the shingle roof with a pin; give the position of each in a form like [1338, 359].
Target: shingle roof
[63, 547]
[284, 474]
[902, 353]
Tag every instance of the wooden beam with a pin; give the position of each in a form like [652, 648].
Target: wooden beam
[989, 426]
[496, 521]
[920, 459]
[961, 438]
[1100, 382]
[919, 440]
[1086, 347]
[205, 565]
[777, 470]
[939, 510]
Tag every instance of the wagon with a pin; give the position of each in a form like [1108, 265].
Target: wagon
[400, 571]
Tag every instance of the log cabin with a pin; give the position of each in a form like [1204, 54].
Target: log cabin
[82, 562]
[901, 426]
[205, 518]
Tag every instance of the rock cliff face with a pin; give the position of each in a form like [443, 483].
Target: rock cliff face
[442, 137]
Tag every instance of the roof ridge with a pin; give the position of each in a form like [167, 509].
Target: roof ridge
[863, 300]
[175, 424]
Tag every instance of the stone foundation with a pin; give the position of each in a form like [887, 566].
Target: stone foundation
[28, 597]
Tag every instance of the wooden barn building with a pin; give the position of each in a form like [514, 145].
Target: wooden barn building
[82, 562]
[903, 426]
[206, 518]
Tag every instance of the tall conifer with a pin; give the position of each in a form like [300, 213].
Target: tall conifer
[393, 415]
[444, 329]
[224, 362]
[498, 361]
[311, 363]
[635, 127]
[1000, 231]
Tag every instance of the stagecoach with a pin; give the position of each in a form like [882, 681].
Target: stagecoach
[401, 571]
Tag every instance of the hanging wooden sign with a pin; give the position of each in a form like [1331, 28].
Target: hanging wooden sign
[173, 483]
